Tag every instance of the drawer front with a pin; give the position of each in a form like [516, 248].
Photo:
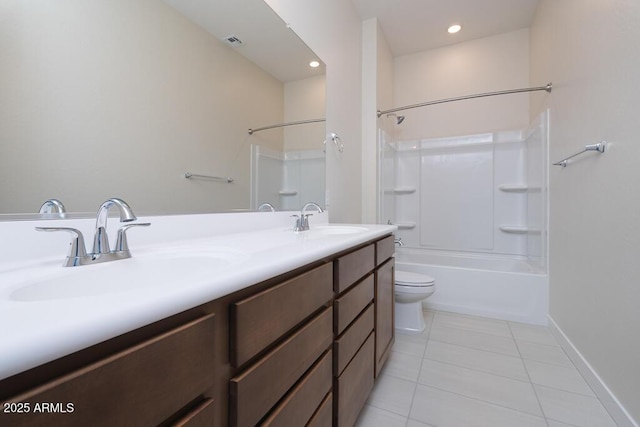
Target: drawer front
[385, 249]
[345, 347]
[354, 385]
[349, 305]
[261, 319]
[301, 402]
[201, 416]
[324, 415]
[254, 392]
[143, 385]
[352, 267]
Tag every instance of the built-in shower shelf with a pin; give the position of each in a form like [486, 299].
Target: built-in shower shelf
[288, 192]
[518, 229]
[406, 225]
[404, 190]
[517, 188]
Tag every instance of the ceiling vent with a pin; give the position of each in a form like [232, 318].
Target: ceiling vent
[232, 41]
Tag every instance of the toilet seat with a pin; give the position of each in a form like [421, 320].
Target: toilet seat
[409, 279]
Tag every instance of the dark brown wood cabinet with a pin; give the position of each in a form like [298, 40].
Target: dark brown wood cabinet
[265, 317]
[256, 390]
[302, 348]
[145, 384]
[385, 304]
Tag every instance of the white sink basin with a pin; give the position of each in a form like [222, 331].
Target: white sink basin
[173, 268]
[338, 229]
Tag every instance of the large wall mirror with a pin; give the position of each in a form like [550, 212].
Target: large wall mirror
[120, 98]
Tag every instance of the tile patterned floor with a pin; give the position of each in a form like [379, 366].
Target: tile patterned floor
[474, 371]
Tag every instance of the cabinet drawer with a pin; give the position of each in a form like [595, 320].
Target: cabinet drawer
[352, 267]
[324, 415]
[263, 318]
[349, 305]
[201, 416]
[385, 248]
[301, 402]
[254, 392]
[143, 385]
[345, 347]
[354, 385]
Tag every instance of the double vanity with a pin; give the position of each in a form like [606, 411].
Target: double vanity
[224, 319]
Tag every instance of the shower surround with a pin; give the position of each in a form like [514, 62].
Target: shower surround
[472, 212]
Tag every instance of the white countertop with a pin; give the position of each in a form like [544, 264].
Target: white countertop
[160, 280]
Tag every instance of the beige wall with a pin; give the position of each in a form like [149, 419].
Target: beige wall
[124, 98]
[484, 65]
[332, 29]
[305, 100]
[589, 49]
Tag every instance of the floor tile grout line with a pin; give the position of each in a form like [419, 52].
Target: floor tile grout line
[561, 389]
[535, 392]
[479, 370]
[571, 392]
[453, 326]
[474, 348]
[413, 398]
[485, 401]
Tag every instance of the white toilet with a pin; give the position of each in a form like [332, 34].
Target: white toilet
[410, 290]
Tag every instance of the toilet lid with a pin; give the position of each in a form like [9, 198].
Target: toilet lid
[408, 278]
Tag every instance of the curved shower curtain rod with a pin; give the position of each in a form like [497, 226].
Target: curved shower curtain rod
[301, 122]
[546, 88]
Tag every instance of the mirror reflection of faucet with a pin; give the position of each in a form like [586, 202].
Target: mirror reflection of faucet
[53, 208]
[101, 251]
[266, 207]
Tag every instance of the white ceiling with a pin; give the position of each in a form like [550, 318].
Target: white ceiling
[267, 41]
[411, 26]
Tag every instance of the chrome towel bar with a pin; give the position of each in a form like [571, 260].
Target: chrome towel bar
[301, 122]
[599, 147]
[226, 179]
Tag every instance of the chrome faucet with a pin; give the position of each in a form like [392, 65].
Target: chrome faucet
[100, 239]
[53, 206]
[302, 220]
[266, 207]
[101, 253]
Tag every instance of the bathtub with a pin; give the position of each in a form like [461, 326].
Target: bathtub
[483, 285]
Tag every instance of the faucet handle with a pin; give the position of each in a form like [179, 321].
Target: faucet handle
[299, 223]
[76, 248]
[121, 242]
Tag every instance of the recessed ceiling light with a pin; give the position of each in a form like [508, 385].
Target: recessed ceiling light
[314, 64]
[454, 29]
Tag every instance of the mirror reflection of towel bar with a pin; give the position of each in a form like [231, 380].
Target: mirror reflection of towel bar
[226, 179]
[599, 147]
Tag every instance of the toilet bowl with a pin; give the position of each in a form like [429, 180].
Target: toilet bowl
[410, 289]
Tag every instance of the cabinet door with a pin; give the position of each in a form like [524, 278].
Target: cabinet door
[384, 303]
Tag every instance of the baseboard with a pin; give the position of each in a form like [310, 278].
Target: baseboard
[619, 414]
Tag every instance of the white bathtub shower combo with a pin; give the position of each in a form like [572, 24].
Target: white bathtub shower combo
[472, 213]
